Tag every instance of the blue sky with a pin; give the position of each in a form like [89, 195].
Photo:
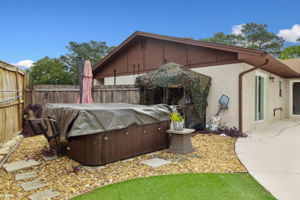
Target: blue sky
[33, 29]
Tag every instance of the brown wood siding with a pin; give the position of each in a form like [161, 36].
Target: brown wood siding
[174, 52]
[110, 146]
[149, 54]
[108, 70]
[201, 55]
[153, 52]
[133, 57]
[120, 64]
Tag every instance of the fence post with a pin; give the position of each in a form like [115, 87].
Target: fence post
[19, 99]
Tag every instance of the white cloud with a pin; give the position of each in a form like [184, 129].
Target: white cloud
[237, 29]
[24, 63]
[290, 35]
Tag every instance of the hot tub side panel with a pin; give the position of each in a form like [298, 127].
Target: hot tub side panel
[102, 148]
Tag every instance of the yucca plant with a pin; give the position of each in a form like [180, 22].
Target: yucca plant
[175, 116]
[177, 120]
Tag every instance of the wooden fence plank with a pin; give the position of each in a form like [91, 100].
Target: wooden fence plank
[12, 84]
[43, 94]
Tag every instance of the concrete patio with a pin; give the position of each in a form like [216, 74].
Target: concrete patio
[271, 154]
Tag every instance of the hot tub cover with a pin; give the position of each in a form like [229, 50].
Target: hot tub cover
[84, 119]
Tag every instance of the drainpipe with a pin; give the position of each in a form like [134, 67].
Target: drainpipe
[241, 91]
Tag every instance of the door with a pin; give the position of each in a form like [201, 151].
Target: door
[260, 97]
[296, 98]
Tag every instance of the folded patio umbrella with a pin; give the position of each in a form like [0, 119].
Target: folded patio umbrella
[87, 84]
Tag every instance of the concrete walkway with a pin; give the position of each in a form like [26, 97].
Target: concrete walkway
[272, 156]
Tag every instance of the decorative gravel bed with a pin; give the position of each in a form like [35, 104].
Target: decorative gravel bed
[213, 153]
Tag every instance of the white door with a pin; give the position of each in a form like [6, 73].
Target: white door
[260, 96]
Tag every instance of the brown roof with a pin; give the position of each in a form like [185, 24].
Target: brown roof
[293, 63]
[250, 56]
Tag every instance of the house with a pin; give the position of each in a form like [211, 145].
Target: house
[261, 88]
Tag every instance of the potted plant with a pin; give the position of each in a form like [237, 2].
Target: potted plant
[177, 120]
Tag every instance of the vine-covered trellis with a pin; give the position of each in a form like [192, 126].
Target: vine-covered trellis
[172, 75]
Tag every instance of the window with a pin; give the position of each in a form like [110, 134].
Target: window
[280, 88]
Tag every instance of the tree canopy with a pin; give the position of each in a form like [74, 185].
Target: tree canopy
[49, 71]
[290, 52]
[254, 36]
[63, 70]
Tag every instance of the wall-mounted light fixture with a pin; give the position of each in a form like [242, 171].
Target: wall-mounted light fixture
[272, 78]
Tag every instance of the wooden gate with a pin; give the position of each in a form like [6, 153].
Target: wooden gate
[13, 82]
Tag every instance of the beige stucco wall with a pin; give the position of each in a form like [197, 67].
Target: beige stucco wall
[273, 100]
[225, 81]
[120, 80]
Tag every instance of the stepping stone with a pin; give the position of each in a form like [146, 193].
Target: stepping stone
[24, 164]
[49, 158]
[44, 195]
[156, 162]
[151, 154]
[26, 175]
[10, 143]
[90, 168]
[4, 150]
[127, 160]
[27, 186]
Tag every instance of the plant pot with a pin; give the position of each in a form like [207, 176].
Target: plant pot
[178, 126]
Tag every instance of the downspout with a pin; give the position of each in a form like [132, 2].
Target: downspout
[241, 91]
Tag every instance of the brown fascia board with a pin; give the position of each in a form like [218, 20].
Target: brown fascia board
[274, 66]
[246, 51]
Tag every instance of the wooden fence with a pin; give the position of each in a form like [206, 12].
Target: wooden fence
[42, 94]
[13, 82]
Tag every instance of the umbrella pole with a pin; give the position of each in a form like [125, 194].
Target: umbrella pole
[80, 70]
[184, 106]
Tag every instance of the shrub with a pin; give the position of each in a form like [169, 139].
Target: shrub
[229, 131]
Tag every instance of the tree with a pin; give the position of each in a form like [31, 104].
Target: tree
[258, 37]
[93, 51]
[229, 39]
[290, 52]
[254, 36]
[49, 71]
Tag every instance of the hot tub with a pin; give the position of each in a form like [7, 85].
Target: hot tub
[97, 134]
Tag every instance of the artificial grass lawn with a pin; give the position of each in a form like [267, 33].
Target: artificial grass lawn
[183, 187]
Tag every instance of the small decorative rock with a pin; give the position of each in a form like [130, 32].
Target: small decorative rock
[44, 195]
[27, 186]
[49, 158]
[127, 160]
[26, 175]
[24, 164]
[156, 162]
[152, 154]
[91, 168]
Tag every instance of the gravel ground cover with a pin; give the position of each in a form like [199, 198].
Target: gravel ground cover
[214, 154]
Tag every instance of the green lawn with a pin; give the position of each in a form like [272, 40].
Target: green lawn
[183, 187]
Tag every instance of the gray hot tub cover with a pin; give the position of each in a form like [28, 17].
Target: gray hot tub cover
[84, 119]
